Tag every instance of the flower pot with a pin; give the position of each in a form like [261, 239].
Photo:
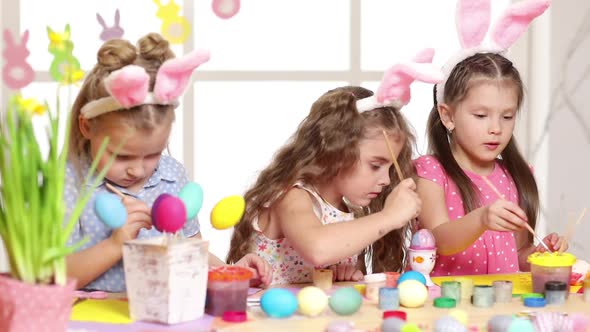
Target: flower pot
[166, 279]
[25, 307]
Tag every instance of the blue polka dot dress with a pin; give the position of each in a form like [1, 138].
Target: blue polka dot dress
[169, 177]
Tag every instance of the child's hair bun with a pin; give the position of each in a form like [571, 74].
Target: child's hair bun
[153, 47]
[115, 54]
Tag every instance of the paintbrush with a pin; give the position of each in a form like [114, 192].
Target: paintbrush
[398, 170]
[530, 229]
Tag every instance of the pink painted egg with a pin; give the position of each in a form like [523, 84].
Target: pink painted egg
[422, 239]
[168, 213]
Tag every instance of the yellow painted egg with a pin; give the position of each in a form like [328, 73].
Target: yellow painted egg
[312, 301]
[460, 315]
[228, 212]
[412, 293]
[410, 327]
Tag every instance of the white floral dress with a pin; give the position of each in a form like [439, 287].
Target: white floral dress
[288, 266]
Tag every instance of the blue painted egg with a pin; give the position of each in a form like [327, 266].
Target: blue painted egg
[278, 303]
[110, 210]
[521, 325]
[412, 275]
[345, 301]
[192, 196]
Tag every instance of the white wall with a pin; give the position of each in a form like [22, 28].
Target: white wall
[554, 128]
[569, 127]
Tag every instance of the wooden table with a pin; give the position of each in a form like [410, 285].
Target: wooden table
[369, 317]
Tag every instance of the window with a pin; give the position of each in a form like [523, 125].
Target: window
[269, 63]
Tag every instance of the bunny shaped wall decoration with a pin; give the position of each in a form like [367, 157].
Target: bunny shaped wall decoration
[65, 68]
[114, 32]
[16, 73]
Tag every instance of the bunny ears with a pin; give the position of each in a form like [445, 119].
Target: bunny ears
[394, 90]
[473, 21]
[129, 85]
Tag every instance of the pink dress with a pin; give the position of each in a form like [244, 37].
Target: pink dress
[493, 251]
[288, 266]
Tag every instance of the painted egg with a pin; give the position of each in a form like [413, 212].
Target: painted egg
[228, 212]
[500, 323]
[278, 303]
[460, 315]
[192, 196]
[423, 239]
[392, 324]
[521, 325]
[312, 301]
[412, 293]
[168, 213]
[110, 210]
[412, 275]
[410, 327]
[346, 301]
[447, 323]
[340, 326]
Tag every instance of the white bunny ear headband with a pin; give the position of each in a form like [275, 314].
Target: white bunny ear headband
[473, 20]
[128, 86]
[394, 90]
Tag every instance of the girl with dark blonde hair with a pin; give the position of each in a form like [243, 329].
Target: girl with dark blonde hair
[128, 97]
[331, 194]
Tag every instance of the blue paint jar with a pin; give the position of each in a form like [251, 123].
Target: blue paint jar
[388, 298]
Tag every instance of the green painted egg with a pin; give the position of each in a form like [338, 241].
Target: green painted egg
[346, 301]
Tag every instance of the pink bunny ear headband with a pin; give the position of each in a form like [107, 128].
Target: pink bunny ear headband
[394, 90]
[473, 21]
[128, 86]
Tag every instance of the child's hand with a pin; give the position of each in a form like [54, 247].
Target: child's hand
[504, 216]
[554, 242]
[138, 217]
[262, 270]
[344, 272]
[403, 202]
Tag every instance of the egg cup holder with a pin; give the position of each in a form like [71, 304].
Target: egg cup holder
[422, 260]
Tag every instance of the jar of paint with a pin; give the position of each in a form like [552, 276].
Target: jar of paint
[227, 289]
[322, 278]
[466, 287]
[550, 267]
[555, 292]
[374, 282]
[391, 279]
[483, 296]
[502, 291]
[451, 289]
[388, 298]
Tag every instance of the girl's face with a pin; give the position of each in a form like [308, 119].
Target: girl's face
[371, 173]
[482, 124]
[138, 158]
